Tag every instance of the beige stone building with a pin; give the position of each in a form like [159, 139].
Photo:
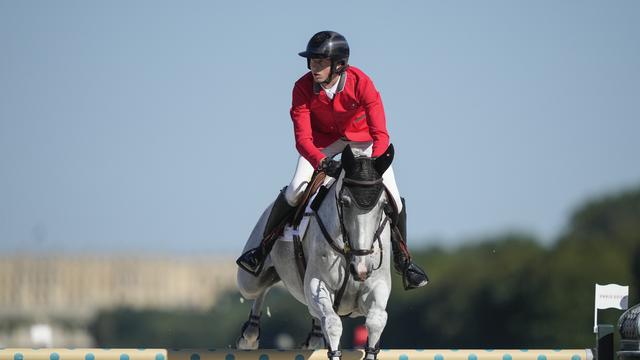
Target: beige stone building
[76, 287]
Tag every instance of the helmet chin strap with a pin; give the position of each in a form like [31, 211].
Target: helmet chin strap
[332, 74]
[329, 79]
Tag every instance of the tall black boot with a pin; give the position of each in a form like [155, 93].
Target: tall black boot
[253, 260]
[412, 275]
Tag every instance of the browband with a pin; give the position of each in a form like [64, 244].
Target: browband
[362, 182]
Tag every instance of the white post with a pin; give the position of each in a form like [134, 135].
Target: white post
[595, 314]
[609, 296]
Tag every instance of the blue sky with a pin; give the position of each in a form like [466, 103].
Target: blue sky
[163, 126]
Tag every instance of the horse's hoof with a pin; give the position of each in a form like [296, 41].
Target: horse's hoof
[244, 344]
[249, 338]
[371, 353]
[334, 355]
[371, 356]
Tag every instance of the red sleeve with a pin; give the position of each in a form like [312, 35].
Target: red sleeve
[376, 120]
[301, 117]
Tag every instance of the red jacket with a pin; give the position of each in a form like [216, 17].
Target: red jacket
[355, 113]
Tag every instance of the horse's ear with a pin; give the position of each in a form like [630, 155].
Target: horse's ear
[384, 161]
[348, 159]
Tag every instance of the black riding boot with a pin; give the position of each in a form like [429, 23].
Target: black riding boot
[253, 260]
[412, 275]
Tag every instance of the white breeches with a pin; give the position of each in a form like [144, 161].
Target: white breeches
[304, 171]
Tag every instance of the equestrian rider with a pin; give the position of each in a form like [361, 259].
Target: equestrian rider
[334, 105]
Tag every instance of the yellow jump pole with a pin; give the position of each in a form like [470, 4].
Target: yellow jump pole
[266, 354]
[83, 354]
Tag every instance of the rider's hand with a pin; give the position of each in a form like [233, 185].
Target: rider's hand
[331, 167]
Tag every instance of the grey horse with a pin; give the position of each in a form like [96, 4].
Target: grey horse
[346, 245]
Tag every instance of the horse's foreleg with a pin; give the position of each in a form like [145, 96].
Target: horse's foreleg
[321, 307]
[375, 322]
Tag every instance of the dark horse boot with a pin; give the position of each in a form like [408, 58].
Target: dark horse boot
[412, 275]
[253, 260]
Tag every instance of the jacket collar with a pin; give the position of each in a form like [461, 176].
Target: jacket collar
[343, 79]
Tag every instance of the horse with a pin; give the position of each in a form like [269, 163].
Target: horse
[347, 247]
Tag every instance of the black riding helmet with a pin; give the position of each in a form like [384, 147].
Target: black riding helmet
[328, 44]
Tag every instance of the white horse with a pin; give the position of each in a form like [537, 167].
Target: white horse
[347, 247]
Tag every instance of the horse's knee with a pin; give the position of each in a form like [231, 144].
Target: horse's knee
[332, 326]
[376, 320]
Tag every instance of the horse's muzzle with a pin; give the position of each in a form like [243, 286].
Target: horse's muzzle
[359, 270]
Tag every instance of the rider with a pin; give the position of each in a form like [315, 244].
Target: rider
[335, 105]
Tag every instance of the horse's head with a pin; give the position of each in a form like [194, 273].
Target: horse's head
[362, 201]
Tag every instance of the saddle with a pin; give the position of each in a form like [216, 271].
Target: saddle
[295, 218]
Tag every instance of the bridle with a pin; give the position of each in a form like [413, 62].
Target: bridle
[347, 250]
[346, 239]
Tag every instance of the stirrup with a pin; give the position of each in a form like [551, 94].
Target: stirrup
[253, 271]
[417, 269]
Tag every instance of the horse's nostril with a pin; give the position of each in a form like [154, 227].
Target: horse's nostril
[352, 268]
[358, 271]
